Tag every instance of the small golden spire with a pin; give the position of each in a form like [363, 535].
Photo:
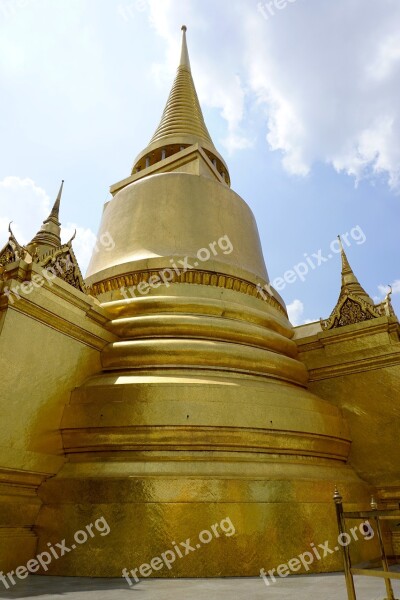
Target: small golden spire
[345, 263]
[349, 280]
[49, 234]
[56, 208]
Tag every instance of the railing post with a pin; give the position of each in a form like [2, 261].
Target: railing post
[388, 583]
[351, 592]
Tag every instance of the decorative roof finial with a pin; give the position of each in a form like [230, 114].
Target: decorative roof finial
[349, 280]
[56, 208]
[345, 263]
[72, 239]
[337, 496]
[12, 237]
[49, 233]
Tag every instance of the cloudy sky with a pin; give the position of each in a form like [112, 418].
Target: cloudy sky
[302, 98]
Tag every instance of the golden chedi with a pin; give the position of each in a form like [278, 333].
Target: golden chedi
[168, 395]
[201, 410]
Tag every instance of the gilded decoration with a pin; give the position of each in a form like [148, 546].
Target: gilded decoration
[349, 310]
[64, 263]
[46, 250]
[354, 304]
[12, 251]
[193, 276]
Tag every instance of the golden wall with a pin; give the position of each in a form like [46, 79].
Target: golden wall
[50, 341]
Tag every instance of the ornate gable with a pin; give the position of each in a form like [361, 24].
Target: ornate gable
[12, 251]
[349, 310]
[63, 262]
[8, 254]
[354, 304]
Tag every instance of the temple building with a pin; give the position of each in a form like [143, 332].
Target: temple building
[165, 393]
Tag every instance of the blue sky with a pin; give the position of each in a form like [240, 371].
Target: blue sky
[301, 97]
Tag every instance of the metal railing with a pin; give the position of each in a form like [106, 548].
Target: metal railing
[375, 515]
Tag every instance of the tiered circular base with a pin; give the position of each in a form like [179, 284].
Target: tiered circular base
[200, 418]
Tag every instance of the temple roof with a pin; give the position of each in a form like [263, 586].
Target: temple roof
[354, 304]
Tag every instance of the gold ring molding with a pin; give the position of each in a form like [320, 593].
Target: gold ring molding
[193, 276]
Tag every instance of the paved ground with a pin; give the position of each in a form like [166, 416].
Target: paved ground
[323, 587]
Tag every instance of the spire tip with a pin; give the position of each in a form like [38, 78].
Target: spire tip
[184, 62]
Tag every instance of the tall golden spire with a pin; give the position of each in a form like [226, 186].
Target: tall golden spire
[182, 123]
[349, 280]
[49, 235]
[182, 115]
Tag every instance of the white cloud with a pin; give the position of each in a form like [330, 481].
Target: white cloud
[26, 204]
[295, 311]
[387, 57]
[39, 61]
[235, 141]
[325, 75]
[331, 94]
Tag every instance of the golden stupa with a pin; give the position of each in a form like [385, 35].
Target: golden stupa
[166, 394]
